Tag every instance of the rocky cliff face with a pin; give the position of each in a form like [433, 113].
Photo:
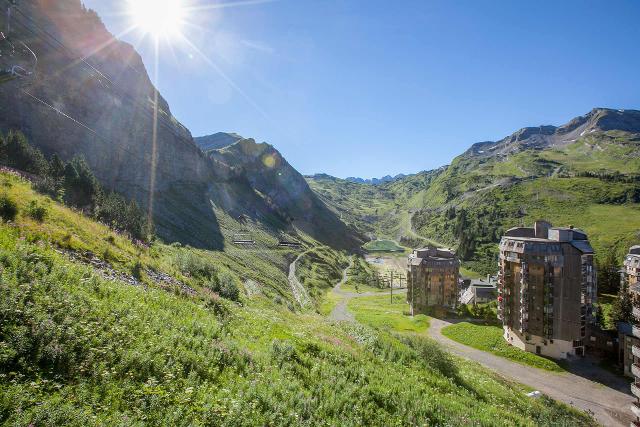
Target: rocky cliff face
[261, 170]
[216, 141]
[93, 97]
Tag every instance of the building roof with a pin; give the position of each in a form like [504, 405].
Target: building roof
[583, 246]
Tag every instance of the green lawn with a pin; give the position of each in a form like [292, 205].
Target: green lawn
[379, 312]
[383, 246]
[470, 274]
[489, 338]
[350, 286]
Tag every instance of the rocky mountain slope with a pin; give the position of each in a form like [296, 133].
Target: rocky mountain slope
[216, 141]
[585, 173]
[93, 97]
[262, 178]
[375, 181]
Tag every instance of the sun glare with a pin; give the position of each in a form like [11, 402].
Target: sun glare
[158, 17]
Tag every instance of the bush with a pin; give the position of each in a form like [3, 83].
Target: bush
[227, 287]
[192, 265]
[36, 211]
[224, 284]
[8, 208]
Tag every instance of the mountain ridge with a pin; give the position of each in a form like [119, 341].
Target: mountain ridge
[103, 107]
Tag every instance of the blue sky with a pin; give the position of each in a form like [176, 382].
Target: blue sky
[369, 88]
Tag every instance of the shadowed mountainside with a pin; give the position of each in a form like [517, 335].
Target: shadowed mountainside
[93, 97]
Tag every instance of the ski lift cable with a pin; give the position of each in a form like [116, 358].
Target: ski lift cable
[79, 123]
[60, 112]
[94, 69]
[77, 61]
[113, 87]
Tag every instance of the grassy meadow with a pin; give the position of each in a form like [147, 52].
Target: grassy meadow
[489, 338]
[77, 349]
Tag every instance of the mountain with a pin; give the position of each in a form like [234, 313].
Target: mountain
[376, 181]
[91, 96]
[216, 141]
[261, 177]
[585, 173]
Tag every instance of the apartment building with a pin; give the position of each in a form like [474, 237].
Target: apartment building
[631, 275]
[432, 279]
[546, 289]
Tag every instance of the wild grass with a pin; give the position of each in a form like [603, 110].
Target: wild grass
[79, 350]
[489, 338]
[381, 313]
[320, 269]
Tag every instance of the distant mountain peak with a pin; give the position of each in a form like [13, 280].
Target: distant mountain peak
[597, 120]
[376, 181]
[217, 141]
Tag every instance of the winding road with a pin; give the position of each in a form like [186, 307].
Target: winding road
[590, 388]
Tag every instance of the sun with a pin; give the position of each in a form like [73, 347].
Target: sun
[158, 17]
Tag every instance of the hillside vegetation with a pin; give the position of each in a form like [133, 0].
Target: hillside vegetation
[80, 348]
[586, 174]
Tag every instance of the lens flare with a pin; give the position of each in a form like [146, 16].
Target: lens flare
[158, 17]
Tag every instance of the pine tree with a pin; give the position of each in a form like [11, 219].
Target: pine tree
[621, 311]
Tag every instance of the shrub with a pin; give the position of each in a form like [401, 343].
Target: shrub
[192, 265]
[36, 211]
[227, 287]
[8, 208]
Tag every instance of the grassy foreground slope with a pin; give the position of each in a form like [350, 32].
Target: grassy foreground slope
[78, 349]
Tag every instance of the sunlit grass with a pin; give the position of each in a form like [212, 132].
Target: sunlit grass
[379, 312]
[489, 338]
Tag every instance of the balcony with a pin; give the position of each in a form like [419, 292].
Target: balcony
[635, 350]
[635, 370]
[636, 331]
[635, 389]
[635, 409]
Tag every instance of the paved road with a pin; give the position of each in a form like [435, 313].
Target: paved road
[594, 389]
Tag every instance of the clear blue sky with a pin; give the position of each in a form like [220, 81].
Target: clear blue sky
[369, 88]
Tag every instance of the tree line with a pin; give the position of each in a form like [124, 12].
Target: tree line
[74, 184]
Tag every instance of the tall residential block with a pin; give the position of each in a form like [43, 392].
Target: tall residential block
[631, 275]
[432, 279]
[546, 289]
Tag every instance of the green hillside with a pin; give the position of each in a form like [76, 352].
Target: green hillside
[132, 334]
[584, 174]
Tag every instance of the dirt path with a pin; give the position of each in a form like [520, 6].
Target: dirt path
[299, 291]
[340, 311]
[605, 395]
